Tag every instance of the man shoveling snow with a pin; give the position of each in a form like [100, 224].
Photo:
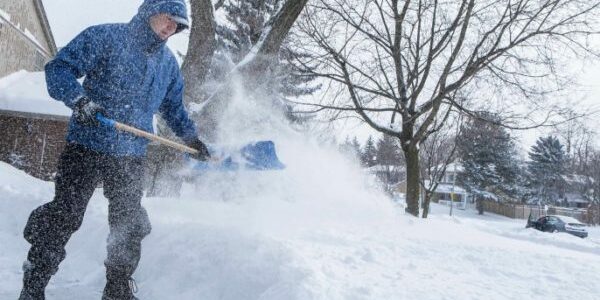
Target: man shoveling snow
[130, 74]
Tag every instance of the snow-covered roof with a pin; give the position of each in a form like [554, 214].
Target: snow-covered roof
[447, 188]
[384, 168]
[577, 179]
[452, 167]
[575, 198]
[26, 92]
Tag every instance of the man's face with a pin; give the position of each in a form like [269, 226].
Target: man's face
[163, 26]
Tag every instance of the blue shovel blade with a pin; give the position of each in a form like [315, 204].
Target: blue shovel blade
[261, 156]
[256, 156]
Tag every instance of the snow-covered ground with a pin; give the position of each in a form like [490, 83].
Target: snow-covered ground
[321, 243]
[26, 92]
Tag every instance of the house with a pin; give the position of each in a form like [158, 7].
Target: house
[447, 191]
[32, 124]
[389, 174]
[26, 41]
[578, 191]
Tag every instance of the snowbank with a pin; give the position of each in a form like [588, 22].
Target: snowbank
[26, 92]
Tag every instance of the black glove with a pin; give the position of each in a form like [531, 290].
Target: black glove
[203, 154]
[85, 112]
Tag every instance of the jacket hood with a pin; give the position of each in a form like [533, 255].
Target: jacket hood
[140, 24]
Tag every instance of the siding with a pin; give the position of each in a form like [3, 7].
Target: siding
[16, 51]
[32, 142]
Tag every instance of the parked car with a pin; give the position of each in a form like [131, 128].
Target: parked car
[553, 223]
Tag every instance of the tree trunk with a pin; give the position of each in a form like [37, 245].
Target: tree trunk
[479, 204]
[411, 154]
[426, 201]
[201, 48]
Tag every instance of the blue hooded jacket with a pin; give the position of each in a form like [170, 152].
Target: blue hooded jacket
[130, 72]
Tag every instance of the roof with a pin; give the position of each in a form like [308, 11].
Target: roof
[25, 33]
[447, 188]
[575, 198]
[577, 179]
[451, 167]
[385, 168]
[26, 92]
[39, 8]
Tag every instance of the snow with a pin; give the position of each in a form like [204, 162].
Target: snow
[452, 168]
[26, 92]
[385, 168]
[569, 219]
[257, 246]
[4, 16]
[447, 188]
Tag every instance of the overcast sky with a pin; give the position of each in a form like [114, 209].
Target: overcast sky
[69, 17]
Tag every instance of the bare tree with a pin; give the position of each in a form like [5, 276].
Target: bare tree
[593, 171]
[437, 152]
[411, 60]
[578, 138]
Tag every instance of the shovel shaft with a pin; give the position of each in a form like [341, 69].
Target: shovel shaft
[156, 138]
[147, 135]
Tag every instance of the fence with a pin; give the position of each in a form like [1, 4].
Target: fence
[522, 211]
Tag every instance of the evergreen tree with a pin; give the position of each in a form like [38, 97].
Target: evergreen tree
[356, 147]
[369, 154]
[388, 151]
[489, 157]
[351, 148]
[546, 169]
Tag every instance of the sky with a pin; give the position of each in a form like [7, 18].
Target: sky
[84, 13]
[69, 17]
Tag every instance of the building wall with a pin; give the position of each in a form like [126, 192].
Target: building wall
[16, 51]
[32, 142]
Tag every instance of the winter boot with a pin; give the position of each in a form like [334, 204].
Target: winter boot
[119, 285]
[35, 280]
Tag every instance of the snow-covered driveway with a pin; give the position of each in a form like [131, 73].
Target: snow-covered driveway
[278, 248]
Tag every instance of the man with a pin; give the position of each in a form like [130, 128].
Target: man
[129, 75]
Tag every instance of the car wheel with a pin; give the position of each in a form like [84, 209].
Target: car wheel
[554, 230]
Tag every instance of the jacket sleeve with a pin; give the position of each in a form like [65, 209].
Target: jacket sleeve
[72, 62]
[174, 113]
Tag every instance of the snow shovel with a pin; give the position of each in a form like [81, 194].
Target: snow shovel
[260, 155]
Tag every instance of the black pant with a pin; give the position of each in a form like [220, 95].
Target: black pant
[80, 170]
